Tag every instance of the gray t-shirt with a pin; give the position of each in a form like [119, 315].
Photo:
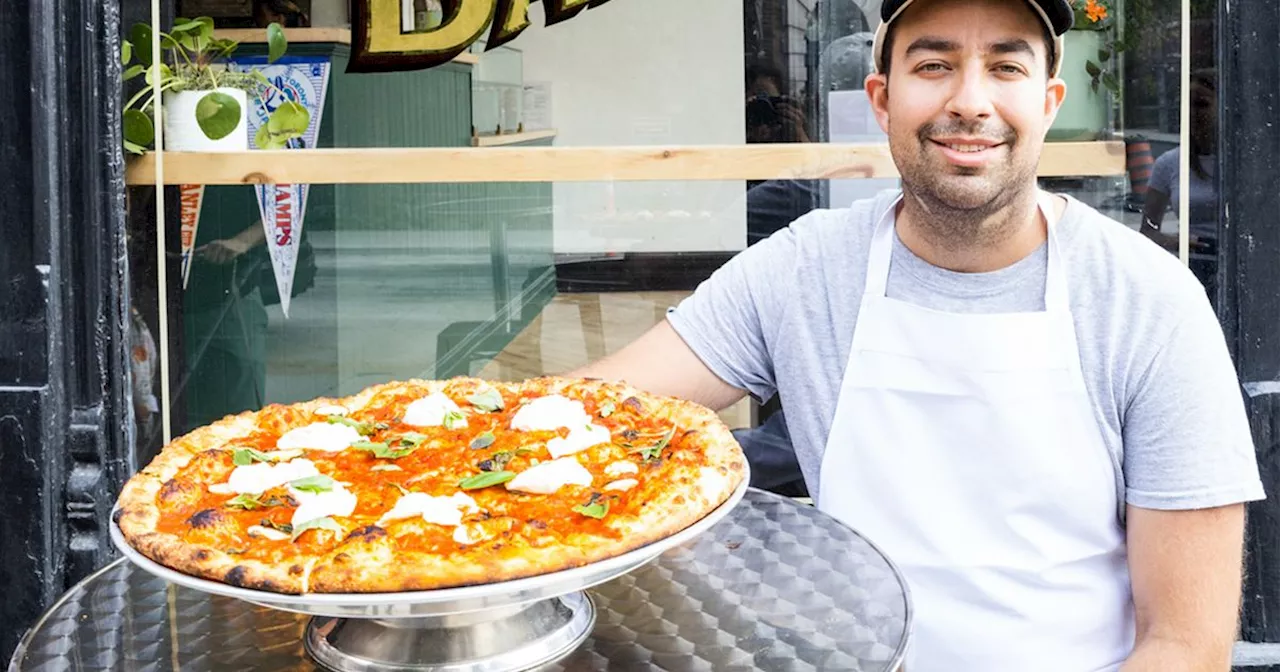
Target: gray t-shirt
[779, 318]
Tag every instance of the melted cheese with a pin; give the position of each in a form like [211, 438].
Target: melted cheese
[266, 533]
[333, 409]
[469, 534]
[622, 485]
[621, 467]
[430, 411]
[546, 478]
[549, 413]
[579, 439]
[320, 436]
[446, 511]
[312, 505]
[262, 476]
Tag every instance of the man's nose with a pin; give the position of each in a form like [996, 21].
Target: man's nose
[972, 98]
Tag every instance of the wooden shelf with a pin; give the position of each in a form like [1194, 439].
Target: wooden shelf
[312, 36]
[511, 138]
[574, 164]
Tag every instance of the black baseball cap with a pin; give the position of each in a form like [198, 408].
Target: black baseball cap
[1057, 15]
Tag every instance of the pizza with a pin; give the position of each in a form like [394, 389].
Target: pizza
[423, 485]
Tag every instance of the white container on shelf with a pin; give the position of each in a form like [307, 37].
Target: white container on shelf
[183, 134]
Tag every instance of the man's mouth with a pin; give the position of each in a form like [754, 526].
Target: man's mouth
[967, 152]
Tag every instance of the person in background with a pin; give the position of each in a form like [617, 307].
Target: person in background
[1164, 192]
[1028, 406]
[284, 12]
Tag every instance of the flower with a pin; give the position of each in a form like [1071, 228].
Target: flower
[1095, 11]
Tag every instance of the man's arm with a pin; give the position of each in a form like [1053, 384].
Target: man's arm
[660, 362]
[1186, 573]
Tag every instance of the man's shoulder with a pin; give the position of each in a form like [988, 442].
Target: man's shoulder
[1111, 259]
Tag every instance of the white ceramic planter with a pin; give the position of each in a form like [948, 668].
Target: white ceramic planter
[183, 134]
[1083, 115]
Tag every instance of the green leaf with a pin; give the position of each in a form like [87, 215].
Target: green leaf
[165, 74]
[483, 441]
[138, 129]
[184, 26]
[652, 452]
[134, 148]
[1092, 68]
[413, 439]
[206, 28]
[454, 420]
[500, 460]
[276, 42]
[607, 409]
[488, 401]
[283, 527]
[218, 115]
[246, 456]
[325, 523]
[488, 478]
[133, 71]
[313, 484]
[291, 117]
[362, 428]
[126, 52]
[593, 510]
[1109, 81]
[383, 451]
[140, 38]
[251, 502]
[1104, 55]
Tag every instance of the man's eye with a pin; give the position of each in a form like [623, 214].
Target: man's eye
[931, 67]
[1009, 69]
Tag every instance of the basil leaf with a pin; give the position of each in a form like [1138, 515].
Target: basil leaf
[483, 441]
[607, 409]
[313, 484]
[283, 527]
[486, 479]
[246, 502]
[363, 428]
[454, 420]
[413, 439]
[317, 524]
[593, 510]
[246, 456]
[652, 452]
[382, 450]
[488, 401]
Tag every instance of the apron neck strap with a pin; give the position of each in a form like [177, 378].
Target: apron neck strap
[1055, 289]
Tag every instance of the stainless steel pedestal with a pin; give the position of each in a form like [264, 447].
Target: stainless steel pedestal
[774, 585]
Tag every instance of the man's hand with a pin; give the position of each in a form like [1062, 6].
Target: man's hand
[1186, 573]
[660, 362]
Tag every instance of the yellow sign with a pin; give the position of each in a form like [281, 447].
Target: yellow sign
[385, 37]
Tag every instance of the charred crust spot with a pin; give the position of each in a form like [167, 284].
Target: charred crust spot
[537, 524]
[214, 453]
[341, 559]
[634, 403]
[117, 515]
[173, 488]
[368, 533]
[205, 518]
[295, 570]
[201, 554]
[630, 434]
[237, 576]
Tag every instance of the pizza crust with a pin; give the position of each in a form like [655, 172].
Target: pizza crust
[368, 561]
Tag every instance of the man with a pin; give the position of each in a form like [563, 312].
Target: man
[1028, 406]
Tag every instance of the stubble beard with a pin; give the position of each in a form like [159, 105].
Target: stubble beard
[960, 207]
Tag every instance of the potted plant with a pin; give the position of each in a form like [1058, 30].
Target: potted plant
[205, 102]
[1088, 68]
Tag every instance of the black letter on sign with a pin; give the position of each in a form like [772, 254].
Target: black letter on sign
[511, 20]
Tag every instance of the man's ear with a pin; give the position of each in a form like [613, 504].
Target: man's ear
[1054, 93]
[877, 86]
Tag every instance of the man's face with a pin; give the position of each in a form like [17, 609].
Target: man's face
[967, 101]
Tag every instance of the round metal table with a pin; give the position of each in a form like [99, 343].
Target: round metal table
[776, 585]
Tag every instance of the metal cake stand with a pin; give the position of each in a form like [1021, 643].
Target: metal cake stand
[761, 583]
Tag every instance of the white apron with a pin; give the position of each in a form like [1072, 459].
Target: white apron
[965, 446]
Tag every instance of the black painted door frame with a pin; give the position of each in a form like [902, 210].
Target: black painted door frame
[65, 416]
